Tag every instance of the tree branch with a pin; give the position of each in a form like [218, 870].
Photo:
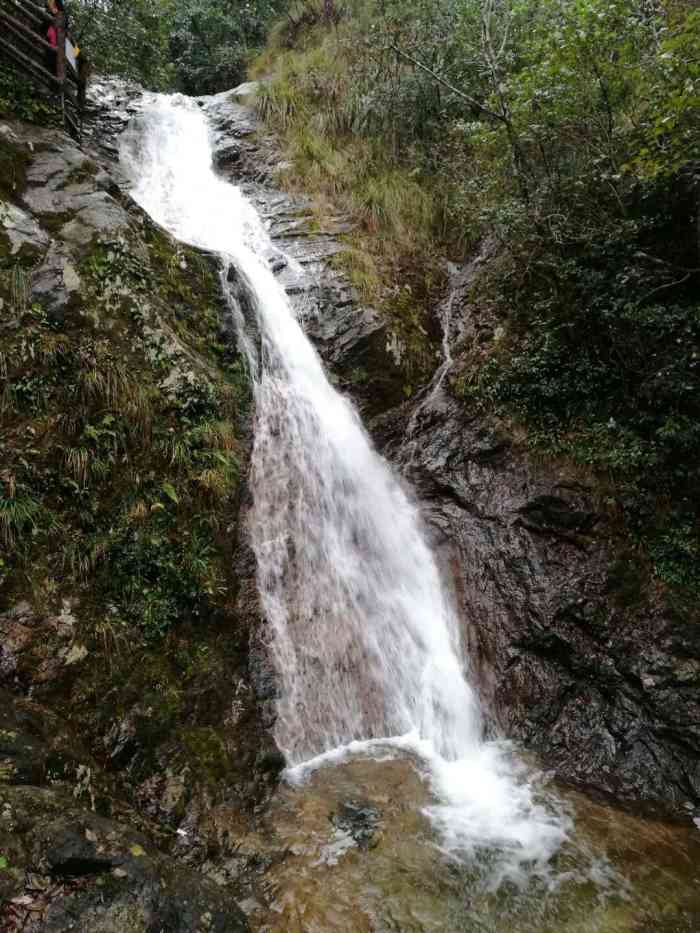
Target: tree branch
[450, 87]
[662, 288]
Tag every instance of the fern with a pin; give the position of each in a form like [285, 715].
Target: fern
[17, 515]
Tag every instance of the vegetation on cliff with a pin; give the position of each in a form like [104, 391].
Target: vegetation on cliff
[196, 46]
[566, 137]
[120, 449]
[123, 442]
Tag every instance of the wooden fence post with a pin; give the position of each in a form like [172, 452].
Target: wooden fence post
[60, 24]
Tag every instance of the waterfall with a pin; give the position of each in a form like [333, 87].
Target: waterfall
[364, 635]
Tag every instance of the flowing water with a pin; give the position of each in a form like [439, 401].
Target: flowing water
[373, 680]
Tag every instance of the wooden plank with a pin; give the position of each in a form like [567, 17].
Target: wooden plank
[35, 10]
[31, 58]
[31, 36]
[61, 47]
[36, 17]
[20, 28]
[70, 120]
[25, 45]
[73, 103]
[28, 64]
[30, 46]
[34, 74]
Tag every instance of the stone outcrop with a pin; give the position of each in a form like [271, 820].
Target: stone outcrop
[353, 339]
[65, 867]
[573, 658]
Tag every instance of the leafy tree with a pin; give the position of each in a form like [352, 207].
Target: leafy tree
[212, 40]
[126, 37]
[568, 131]
[197, 46]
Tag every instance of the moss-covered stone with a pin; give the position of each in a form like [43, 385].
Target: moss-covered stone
[13, 167]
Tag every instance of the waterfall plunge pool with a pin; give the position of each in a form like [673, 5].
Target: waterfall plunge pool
[386, 869]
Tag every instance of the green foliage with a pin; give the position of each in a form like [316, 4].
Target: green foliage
[675, 551]
[670, 133]
[159, 574]
[18, 515]
[211, 42]
[119, 448]
[567, 135]
[317, 102]
[127, 39]
[197, 46]
[20, 100]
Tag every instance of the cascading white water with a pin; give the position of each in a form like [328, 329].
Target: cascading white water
[364, 634]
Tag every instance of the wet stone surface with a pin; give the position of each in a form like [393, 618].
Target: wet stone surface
[621, 873]
[351, 338]
[360, 820]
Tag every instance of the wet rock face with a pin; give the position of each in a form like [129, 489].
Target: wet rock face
[601, 680]
[361, 820]
[73, 870]
[354, 340]
[65, 866]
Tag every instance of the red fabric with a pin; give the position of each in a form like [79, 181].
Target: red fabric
[52, 36]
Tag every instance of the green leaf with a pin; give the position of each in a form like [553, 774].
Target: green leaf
[169, 491]
[4, 864]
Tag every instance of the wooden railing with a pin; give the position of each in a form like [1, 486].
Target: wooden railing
[23, 44]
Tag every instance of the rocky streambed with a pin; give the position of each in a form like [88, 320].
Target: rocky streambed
[142, 793]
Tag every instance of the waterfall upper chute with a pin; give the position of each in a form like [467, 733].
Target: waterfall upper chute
[363, 633]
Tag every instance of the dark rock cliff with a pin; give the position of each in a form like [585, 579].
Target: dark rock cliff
[133, 741]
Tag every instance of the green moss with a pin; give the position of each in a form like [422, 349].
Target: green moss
[206, 753]
[138, 521]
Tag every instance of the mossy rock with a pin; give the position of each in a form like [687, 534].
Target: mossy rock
[13, 168]
[96, 875]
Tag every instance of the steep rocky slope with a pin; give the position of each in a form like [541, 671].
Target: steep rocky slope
[128, 599]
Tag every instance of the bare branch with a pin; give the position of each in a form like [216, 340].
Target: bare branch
[450, 87]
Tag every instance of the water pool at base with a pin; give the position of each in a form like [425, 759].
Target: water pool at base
[361, 856]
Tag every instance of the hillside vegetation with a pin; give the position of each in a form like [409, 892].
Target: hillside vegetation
[123, 445]
[194, 46]
[565, 135]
